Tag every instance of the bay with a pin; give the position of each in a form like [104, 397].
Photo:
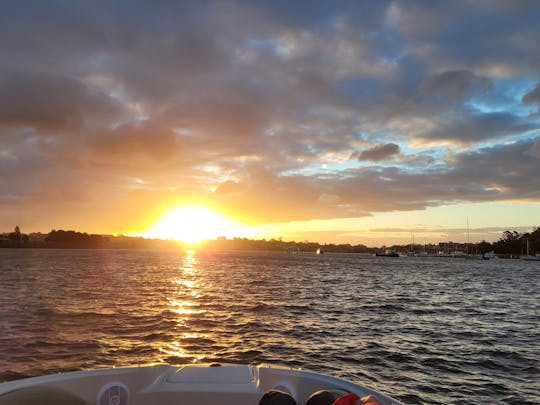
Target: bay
[424, 330]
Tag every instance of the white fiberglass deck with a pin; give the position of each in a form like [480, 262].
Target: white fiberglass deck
[165, 384]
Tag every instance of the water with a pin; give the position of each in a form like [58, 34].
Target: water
[423, 330]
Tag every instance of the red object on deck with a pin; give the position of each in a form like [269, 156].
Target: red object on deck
[348, 399]
[351, 399]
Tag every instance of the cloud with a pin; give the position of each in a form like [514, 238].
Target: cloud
[472, 127]
[532, 96]
[51, 102]
[498, 173]
[534, 151]
[227, 187]
[378, 153]
[456, 85]
[145, 138]
[262, 104]
[417, 19]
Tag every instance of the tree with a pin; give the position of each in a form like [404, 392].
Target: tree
[512, 242]
[16, 235]
[484, 247]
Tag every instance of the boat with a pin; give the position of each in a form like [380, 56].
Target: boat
[421, 254]
[319, 251]
[224, 384]
[387, 253]
[489, 255]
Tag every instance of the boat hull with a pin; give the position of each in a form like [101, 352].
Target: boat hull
[191, 384]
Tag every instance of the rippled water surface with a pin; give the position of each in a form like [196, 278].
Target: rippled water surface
[423, 330]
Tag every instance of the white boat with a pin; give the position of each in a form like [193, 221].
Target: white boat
[489, 255]
[227, 384]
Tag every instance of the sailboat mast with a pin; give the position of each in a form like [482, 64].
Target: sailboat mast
[468, 236]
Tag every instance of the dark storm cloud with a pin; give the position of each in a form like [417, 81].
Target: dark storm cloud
[257, 100]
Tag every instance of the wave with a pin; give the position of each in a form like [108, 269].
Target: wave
[387, 324]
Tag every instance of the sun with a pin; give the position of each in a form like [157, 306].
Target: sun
[194, 223]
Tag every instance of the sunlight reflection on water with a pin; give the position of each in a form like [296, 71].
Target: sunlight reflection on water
[187, 285]
[424, 330]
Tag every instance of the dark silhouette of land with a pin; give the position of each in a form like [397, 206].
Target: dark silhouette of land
[511, 243]
[60, 239]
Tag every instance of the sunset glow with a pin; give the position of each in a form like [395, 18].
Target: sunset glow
[357, 122]
[192, 224]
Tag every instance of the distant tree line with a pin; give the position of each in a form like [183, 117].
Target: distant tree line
[62, 239]
[514, 243]
[72, 239]
[279, 245]
[511, 243]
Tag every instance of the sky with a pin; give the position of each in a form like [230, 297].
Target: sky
[349, 122]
